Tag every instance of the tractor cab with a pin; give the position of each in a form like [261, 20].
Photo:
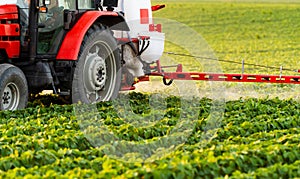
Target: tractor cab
[50, 20]
[56, 20]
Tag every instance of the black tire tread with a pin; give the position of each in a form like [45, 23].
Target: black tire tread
[11, 73]
[91, 34]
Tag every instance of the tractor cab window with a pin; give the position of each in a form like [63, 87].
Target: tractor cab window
[52, 22]
[23, 4]
[51, 26]
[53, 18]
[24, 20]
[68, 4]
[86, 4]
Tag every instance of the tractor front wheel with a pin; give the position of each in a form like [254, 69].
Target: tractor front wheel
[97, 76]
[13, 88]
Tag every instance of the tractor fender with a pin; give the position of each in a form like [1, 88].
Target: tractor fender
[71, 43]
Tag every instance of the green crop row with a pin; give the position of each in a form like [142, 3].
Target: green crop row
[49, 140]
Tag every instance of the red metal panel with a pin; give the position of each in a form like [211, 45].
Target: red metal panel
[229, 77]
[12, 48]
[71, 45]
[127, 88]
[9, 16]
[8, 9]
[157, 7]
[9, 30]
[144, 15]
[155, 27]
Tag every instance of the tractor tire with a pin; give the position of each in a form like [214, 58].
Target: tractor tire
[97, 75]
[13, 88]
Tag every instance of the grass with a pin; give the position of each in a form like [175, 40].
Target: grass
[257, 32]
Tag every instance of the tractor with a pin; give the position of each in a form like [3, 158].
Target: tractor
[89, 50]
[83, 50]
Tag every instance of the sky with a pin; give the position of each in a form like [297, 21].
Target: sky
[8, 1]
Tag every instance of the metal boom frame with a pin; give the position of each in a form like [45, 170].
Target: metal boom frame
[203, 76]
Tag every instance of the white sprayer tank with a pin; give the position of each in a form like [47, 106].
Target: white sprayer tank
[138, 15]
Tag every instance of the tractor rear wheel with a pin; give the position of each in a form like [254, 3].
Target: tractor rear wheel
[97, 76]
[13, 88]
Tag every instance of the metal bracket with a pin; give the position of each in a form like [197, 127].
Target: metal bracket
[243, 68]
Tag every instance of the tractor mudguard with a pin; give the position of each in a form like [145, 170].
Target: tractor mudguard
[71, 44]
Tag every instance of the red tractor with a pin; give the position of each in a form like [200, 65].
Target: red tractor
[84, 50]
